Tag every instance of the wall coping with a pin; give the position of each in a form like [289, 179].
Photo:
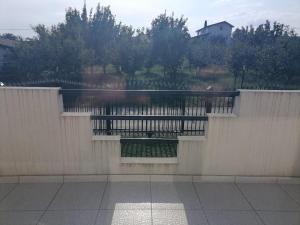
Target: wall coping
[148, 160]
[57, 88]
[30, 88]
[106, 138]
[269, 91]
[191, 138]
[222, 115]
[76, 114]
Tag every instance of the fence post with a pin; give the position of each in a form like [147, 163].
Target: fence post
[208, 104]
[183, 113]
[108, 122]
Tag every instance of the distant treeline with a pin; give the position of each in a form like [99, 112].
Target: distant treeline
[268, 53]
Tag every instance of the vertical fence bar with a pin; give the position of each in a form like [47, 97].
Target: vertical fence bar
[182, 113]
[208, 104]
[108, 122]
[232, 104]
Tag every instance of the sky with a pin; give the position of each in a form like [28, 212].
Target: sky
[18, 16]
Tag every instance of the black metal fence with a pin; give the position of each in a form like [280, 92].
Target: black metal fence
[148, 113]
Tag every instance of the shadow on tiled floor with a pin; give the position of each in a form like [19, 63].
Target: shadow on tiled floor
[144, 203]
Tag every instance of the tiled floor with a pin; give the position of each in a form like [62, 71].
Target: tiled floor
[144, 203]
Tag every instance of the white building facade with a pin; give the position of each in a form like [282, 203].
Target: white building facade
[218, 30]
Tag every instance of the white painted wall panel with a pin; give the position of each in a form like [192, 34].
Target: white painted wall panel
[37, 138]
[264, 139]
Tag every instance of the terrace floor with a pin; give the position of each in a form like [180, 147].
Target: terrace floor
[144, 203]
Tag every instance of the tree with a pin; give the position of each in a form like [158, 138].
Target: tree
[268, 53]
[59, 51]
[133, 49]
[279, 62]
[204, 52]
[103, 34]
[169, 38]
[10, 36]
[243, 59]
[70, 44]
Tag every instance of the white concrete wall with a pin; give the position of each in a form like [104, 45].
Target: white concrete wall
[107, 156]
[29, 125]
[37, 138]
[262, 138]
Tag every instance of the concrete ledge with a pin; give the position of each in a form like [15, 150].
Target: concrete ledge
[76, 114]
[106, 138]
[30, 88]
[9, 179]
[147, 178]
[129, 178]
[214, 179]
[142, 160]
[41, 179]
[191, 138]
[222, 115]
[240, 179]
[270, 91]
[288, 180]
[85, 178]
[171, 178]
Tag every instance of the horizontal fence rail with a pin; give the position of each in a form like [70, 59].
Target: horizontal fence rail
[185, 93]
[148, 113]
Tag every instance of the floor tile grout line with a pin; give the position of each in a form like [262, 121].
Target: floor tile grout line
[48, 206]
[285, 191]
[102, 197]
[200, 202]
[254, 210]
[10, 191]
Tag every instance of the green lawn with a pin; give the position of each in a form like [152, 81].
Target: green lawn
[154, 150]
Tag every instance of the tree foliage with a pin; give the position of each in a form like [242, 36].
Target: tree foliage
[169, 37]
[204, 52]
[132, 47]
[269, 53]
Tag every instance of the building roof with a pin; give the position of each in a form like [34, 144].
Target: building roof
[7, 43]
[214, 24]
